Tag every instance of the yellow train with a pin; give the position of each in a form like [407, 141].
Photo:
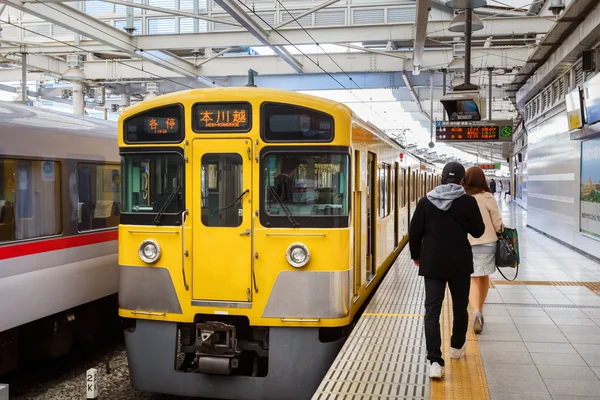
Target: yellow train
[254, 225]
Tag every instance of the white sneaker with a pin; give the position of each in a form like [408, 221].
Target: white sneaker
[435, 371]
[457, 353]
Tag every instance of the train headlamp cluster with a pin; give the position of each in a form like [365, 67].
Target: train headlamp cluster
[149, 251]
[297, 255]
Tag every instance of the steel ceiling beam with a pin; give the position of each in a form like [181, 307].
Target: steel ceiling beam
[79, 22]
[233, 8]
[497, 27]
[382, 33]
[420, 33]
[272, 65]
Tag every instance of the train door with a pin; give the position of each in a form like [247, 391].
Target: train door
[222, 218]
[370, 215]
[357, 223]
[396, 189]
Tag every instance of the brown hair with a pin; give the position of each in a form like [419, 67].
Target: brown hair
[475, 181]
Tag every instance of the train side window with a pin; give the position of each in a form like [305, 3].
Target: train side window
[393, 187]
[384, 190]
[29, 199]
[222, 185]
[98, 189]
[402, 188]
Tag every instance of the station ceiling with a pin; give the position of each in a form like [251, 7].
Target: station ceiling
[395, 46]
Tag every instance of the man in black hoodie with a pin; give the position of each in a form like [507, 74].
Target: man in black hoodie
[440, 248]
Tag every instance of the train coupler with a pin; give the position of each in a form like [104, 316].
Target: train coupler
[216, 348]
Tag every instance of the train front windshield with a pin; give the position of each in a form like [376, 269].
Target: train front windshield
[152, 183]
[307, 185]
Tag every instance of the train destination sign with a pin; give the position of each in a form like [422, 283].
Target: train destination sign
[474, 131]
[222, 117]
[489, 166]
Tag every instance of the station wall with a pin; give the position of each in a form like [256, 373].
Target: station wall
[553, 182]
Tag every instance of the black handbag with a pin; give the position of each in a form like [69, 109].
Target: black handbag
[507, 251]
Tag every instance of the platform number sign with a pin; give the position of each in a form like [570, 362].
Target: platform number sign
[90, 382]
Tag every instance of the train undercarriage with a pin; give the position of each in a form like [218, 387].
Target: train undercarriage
[224, 357]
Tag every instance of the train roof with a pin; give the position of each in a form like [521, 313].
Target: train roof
[197, 96]
[27, 131]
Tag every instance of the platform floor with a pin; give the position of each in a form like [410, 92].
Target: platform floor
[541, 339]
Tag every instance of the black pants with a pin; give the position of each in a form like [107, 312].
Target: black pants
[435, 290]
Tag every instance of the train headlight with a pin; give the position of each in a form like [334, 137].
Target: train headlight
[297, 255]
[149, 251]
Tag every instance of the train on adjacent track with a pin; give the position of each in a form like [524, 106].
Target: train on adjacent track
[255, 224]
[59, 212]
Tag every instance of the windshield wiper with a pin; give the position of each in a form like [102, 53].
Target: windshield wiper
[165, 205]
[232, 203]
[288, 213]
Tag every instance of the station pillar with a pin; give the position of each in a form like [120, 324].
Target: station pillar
[78, 98]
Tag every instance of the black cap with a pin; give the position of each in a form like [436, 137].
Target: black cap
[453, 172]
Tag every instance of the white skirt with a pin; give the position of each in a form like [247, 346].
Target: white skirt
[484, 259]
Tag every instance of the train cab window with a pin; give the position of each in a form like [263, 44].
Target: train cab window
[305, 189]
[99, 196]
[384, 190]
[222, 190]
[29, 199]
[287, 123]
[153, 188]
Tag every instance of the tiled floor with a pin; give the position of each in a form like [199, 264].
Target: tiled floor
[542, 341]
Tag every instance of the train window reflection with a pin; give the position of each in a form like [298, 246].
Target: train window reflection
[29, 199]
[313, 184]
[98, 188]
[152, 183]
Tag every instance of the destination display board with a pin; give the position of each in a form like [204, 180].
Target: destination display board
[164, 124]
[474, 131]
[221, 117]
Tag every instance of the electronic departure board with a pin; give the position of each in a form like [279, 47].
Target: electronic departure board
[489, 166]
[473, 131]
[467, 133]
[164, 124]
[222, 117]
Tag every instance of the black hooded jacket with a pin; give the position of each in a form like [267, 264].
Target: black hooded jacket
[438, 232]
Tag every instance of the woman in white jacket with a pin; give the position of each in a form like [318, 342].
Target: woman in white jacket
[484, 248]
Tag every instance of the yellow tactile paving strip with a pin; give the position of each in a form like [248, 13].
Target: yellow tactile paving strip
[593, 286]
[462, 379]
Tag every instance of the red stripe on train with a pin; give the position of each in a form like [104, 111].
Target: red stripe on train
[43, 246]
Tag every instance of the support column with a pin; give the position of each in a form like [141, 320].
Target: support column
[125, 101]
[431, 119]
[490, 69]
[104, 102]
[78, 98]
[444, 83]
[468, 33]
[23, 77]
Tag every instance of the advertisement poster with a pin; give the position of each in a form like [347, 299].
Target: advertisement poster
[590, 187]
